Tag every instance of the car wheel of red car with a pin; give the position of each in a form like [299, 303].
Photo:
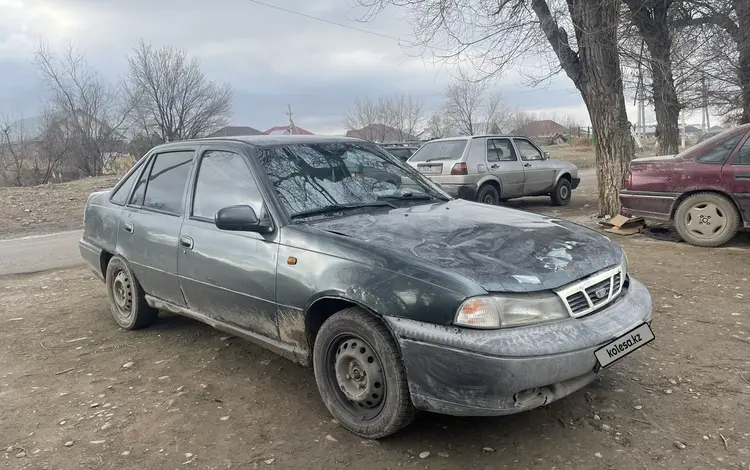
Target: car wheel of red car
[707, 219]
[127, 301]
[360, 375]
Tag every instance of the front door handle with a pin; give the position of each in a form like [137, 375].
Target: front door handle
[527, 164]
[128, 227]
[742, 176]
[186, 242]
[495, 166]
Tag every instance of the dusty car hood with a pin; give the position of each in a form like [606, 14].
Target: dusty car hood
[501, 249]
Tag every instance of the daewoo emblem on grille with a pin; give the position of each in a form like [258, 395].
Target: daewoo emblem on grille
[601, 293]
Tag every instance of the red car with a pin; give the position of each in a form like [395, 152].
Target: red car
[705, 189]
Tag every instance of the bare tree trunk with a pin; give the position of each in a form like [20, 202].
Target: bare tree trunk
[652, 20]
[595, 71]
[742, 7]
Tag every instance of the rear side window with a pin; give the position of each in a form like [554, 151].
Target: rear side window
[743, 156]
[166, 182]
[720, 152]
[140, 187]
[224, 179]
[443, 150]
[120, 197]
[500, 150]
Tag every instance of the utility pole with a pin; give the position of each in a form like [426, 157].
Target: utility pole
[705, 118]
[292, 128]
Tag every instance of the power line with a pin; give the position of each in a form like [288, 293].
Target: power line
[323, 20]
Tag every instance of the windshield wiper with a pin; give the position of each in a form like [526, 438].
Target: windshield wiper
[412, 197]
[339, 207]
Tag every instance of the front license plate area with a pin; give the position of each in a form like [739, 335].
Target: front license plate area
[624, 345]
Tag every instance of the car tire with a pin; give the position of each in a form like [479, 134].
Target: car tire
[127, 301]
[375, 402]
[488, 194]
[707, 219]
[562, 193]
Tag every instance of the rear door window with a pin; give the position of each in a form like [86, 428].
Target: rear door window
[743, 156]
[140, 187]
[719, 153]
[167, 180]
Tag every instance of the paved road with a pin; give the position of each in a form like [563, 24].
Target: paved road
[39, 253]
[60, 250]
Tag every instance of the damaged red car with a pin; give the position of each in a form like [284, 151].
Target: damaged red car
[704, 190]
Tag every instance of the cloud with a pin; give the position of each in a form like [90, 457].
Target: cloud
[271, 58]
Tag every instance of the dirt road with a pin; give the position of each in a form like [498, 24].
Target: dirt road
[40, 253]
[77, 392]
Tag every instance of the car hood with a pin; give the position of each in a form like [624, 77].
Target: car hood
[562, 165]
[501, 249]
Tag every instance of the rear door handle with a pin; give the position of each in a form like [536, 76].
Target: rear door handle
[527, 164]
[128, 227]
[186, 242]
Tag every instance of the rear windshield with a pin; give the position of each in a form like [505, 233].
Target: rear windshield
[443, 150]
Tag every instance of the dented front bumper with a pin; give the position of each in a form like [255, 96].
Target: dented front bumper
[467, 372]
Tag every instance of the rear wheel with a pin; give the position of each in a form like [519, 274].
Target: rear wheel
[707, 219]
[360, 375]
[488, 194]
[562, 193]
[127, 301]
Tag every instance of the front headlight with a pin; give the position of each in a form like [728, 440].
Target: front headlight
[624, 266]
[505, 310]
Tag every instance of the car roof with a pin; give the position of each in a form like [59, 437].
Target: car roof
[266, 140]
[482, 136]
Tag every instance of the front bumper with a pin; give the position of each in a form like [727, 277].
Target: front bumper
[575, 182]
[466, 372]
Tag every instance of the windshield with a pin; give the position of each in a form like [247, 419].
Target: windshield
[442, 150]
[308, 177]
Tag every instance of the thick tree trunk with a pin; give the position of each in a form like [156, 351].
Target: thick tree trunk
[602, 90]
[742, 8]
[652, 21]
[595, 71]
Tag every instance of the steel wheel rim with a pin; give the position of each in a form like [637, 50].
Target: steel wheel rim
[355, 373]
[122, 295]
[564, 192]
[488, 199]
[706, 220]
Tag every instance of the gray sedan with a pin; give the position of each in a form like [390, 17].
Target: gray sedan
[491, 169]
[338, 256]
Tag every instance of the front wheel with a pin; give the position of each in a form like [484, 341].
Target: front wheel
[562, 193]
[360, 376]
[707, 219]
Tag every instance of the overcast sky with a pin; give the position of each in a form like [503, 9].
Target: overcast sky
[271, 58]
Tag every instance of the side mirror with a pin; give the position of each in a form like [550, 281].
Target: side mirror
[545, 156]
[241, 218]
